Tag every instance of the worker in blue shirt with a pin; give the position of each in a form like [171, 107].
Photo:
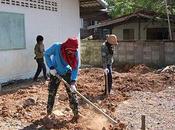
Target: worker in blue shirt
[63, 59]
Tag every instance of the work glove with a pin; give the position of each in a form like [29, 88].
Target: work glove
[73, 88]
[106, 71]
[53, 71]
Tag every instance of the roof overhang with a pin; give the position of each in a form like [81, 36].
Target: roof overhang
[90, 6]
[127, 17]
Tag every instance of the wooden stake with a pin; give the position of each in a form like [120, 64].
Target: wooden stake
[143, 122]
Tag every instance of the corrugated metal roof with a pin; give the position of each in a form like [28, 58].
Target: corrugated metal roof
[98, 4]
[90, 7]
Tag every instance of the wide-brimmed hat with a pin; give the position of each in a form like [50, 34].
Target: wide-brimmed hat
[112, 39]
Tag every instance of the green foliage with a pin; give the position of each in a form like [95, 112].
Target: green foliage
[123, 7]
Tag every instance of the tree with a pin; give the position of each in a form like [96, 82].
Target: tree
[123, 7]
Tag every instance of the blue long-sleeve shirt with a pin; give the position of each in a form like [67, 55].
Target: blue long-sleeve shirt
[54, 58]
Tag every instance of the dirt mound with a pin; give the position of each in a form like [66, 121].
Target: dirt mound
[142, 82]
[28, 106]
[91, 81]
[142, 69]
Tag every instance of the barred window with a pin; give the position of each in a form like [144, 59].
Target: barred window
[36, 4]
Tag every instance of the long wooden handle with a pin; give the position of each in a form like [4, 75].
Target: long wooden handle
[88, 101]
[106, 84]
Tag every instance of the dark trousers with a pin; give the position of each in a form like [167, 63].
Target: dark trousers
[53, 87]
[41, 66]
[109, 76]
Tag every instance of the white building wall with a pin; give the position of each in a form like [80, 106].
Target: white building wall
[54, 26]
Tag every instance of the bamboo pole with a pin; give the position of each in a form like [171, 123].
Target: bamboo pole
[169, 24]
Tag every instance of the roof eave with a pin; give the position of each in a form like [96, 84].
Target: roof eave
[103, 3]
[124, 18]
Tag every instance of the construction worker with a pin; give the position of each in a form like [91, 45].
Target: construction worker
[64, 62]
[39, 52]
[107, 60]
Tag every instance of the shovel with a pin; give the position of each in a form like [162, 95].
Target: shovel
[88, 101]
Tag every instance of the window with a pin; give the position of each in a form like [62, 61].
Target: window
[12, 34]
[128, 34]
[157, 33]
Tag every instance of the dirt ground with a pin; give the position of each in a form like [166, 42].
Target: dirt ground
[139, 90]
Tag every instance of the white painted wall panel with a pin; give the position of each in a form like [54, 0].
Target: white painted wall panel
[54, 26]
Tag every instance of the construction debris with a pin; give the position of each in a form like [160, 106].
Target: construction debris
[169, 69]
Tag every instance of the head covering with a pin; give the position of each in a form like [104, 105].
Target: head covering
[112, 39]
[68, 51]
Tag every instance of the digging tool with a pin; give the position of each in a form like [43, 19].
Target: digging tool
[106, 83]
[88, 101]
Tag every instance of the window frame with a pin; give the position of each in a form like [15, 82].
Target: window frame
[126, 29]
[157, 33]
[24, 34]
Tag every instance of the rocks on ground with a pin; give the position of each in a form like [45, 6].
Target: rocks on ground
[29, 105]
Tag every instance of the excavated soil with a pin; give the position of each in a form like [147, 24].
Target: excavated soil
[25, 108]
